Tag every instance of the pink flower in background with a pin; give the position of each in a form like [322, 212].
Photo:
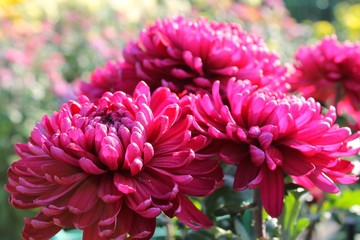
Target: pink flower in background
[107, 42]
[329, 72]
[111, 167]
[184, 54]
[61, 88]
[16, 56]
[115, 76]
[350, 113]
[268, 134]
[6, 78]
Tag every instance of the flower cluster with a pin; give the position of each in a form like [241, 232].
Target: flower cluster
[112, 166]
[151, 129]
[267, 134]
[330, 73]
[187, 55]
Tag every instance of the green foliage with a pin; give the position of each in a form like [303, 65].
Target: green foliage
[291, 223]
[345, 200]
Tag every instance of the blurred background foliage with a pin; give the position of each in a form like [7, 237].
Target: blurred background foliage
[46, 47]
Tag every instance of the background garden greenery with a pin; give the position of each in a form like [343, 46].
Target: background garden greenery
[46, 47]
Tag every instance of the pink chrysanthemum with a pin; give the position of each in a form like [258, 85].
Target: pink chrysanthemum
[111, 167]
[267, 134]
[329, 72]
[114, 76]
[184, 54]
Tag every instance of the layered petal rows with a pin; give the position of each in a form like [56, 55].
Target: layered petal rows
[330, 73]
[111, 167]
[268, 134]
[188, 55]
[149, 130]
[114, 76]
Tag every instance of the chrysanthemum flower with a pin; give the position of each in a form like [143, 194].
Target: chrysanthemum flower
[190, 55]
[268, 134]
[114, 76]
[111, 167]
[329, 72]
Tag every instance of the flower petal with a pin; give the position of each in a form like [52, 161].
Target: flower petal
[233, 153]
[159, 186]
[245, 173]
[295, 164]
[191, 216]
[257, 155]
[39, 227]
[90, 167]
[272, 192]
[107, 190]
[124, 184]
[144, 227]
[323, 182]
[87, 190]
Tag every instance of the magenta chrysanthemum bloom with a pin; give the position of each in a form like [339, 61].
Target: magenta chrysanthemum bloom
[190, 55]
[111, 167]
[268, 134]
[329, 72]
[114, 76]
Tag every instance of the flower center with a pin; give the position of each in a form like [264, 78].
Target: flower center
[260, 148]
[116, 119]
[122, 146]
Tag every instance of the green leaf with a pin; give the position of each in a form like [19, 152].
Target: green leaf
[345, 200]
[240, 230]
[289, 217]
[301, 224]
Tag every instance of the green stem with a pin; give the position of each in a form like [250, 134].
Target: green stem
[260, 231]
[312, 225]
[170, 230]
[232, 210]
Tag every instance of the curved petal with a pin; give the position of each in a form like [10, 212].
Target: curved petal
[91, 217]
[191, 216]
[118, 228]
[199, 187]
[88, 190]
[173, 160]
[107, 190]
[39, 227]
[50, 196]
[233, 153]
[322, 181]
[110, 213]
[90, 167]
[124, 184]
[91, 233]
[294, 164]
[272, 192]
[245, 173]
[158, 186]
[198, 167]
[143, 229]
